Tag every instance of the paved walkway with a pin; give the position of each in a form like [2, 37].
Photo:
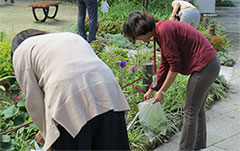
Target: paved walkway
[223, 119]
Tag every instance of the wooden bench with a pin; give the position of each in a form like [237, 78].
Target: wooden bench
[45, 5]
[12, 1]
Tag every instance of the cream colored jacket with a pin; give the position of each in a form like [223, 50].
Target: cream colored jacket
[65, 83]
[183, 5]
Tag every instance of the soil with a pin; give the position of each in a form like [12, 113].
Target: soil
[15, 17]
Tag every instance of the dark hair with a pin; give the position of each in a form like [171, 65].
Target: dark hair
[23, 35]
[138, 23]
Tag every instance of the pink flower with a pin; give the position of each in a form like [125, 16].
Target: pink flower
[19, 98]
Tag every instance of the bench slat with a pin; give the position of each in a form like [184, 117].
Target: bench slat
[44, 4]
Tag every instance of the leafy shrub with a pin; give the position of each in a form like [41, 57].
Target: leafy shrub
[3, 36]
[164, 5]
[119, 10]
[226, 58]
[224, 3]
[13, 115]
[220, 43]
[6, 68]
[5, 58]
[217, 91]
[112, 27]
[123, 42]
[118, 39]
[97, 45]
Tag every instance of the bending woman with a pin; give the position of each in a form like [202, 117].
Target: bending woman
[186, 12]
[186, 51]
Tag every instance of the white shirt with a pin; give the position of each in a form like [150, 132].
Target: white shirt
[104, 6]
[183, 5]
[65, 83]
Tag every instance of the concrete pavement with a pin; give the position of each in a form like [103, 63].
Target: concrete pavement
[223, 119]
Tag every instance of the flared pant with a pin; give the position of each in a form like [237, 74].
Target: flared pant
[194, 124]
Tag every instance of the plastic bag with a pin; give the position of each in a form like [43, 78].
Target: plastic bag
[152, 119]
[37, 147]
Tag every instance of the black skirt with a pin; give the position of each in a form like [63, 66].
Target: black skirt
[104, 132]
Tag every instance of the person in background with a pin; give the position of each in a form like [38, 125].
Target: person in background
[104, 7]
[71, 95]
[92, 7]
[186, 51]
[186, 12]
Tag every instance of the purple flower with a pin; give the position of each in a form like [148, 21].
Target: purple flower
[123, 64]
[133, 68]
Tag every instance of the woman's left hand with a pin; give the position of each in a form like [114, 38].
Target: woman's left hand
[39, 139]
[172, 18]
[158, 97]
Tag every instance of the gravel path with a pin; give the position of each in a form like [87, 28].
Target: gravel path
[15, 17]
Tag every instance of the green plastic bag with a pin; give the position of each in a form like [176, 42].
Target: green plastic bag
[152, 119]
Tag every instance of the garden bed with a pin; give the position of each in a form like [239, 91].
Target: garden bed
[114, 50]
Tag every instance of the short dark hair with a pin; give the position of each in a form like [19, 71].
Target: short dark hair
[138, 23]
[23, 35]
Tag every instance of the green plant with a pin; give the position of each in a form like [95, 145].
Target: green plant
[5, 58]
[2, 78]
[97, 46]
[226, 58]
[220, 43]
[109, 26]
[116, 12]
[137, 138]
[163, 5]
[118, 39]
[3, 36]
[224, 3]
[13, 115]
[217, 91]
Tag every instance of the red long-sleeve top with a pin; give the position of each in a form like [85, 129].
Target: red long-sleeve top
[183, 49]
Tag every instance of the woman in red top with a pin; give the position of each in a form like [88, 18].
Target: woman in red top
[186, 51]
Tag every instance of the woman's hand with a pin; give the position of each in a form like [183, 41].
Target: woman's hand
[171, 76]
[158, 97]
[148, 94]
[39, 139]
[172, 18]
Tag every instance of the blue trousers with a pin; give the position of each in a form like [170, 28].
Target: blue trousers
[92, 8]
[191, 17]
